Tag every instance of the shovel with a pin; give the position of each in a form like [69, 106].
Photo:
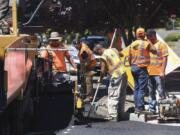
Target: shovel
[91, 105]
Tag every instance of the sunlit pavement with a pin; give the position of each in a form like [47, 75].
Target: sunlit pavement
[121, 128]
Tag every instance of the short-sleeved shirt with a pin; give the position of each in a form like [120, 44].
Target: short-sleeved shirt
[114, 64]
[58, 57]
[90, 56]
[156, 60]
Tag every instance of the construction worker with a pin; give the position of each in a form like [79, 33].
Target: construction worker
[87, 65]
[58, 56]
[112, 64]
[156, 70]
[139, 59]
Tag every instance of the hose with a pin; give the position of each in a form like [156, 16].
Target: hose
[39, 5]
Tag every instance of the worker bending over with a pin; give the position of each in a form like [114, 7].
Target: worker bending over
[156, 70]
[87, 66]
[112, 64]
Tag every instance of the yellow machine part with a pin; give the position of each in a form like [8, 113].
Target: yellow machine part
[17, 84]
[128, 68]
[5, 41]
[79, 103]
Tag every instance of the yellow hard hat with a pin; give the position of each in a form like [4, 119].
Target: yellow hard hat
[140, 32]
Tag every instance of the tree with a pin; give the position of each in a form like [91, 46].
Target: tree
[97, 15]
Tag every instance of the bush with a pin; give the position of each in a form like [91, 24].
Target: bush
[169, 26]
[68, 38]
[172, 37]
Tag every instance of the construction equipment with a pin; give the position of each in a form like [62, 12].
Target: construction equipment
[15, 70]
[27, 80]
[169, 109]
[28, 97]
[15, 79]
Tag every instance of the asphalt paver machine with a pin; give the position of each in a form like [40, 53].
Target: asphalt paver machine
[29, 100]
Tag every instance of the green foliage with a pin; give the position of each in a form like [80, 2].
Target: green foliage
[177, 23]
[172, 37]
[87, 32]
[68, 38]
[169, 24]
[48, 32]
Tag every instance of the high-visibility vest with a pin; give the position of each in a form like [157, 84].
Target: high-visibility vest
[140, 56]
[91, 59]
[58, 63]
[156, 60]
[113, 62]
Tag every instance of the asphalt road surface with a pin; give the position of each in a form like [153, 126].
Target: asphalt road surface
[121, 128]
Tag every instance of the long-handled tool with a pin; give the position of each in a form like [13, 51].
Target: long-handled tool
[113, 38]
[92, 103]
[94, 98]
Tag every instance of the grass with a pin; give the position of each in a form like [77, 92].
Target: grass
[175, 36]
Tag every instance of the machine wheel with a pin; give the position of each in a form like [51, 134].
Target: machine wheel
[78, 117]
[5, 126]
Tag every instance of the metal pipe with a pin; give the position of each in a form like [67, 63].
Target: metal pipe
[35, 49]
[14, 16]
[112, 41]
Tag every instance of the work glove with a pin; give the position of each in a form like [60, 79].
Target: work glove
[99, 80]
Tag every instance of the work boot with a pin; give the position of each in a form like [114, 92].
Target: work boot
[152, 111]
[110, 118]
[139, 110]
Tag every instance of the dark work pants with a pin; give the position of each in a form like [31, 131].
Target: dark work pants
[141, 79]
[155, 83]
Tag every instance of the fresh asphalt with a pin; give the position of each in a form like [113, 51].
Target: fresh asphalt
[120, 128]
[128, 127]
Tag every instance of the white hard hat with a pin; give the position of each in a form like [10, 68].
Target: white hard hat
[55, 36]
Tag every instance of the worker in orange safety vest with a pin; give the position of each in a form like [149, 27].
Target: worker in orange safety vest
[156, 70]
[139, 59]
[87, 65]
[58, 56]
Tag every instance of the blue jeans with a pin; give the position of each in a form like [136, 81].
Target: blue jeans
[141, 79]
[155, 82]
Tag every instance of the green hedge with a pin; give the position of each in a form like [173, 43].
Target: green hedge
[172, 37]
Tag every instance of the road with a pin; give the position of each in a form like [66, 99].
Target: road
[121, 128]
[130, 127]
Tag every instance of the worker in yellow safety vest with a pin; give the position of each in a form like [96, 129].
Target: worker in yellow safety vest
[112, 64]
[156, 70]
[139, 59]
[87, 66]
